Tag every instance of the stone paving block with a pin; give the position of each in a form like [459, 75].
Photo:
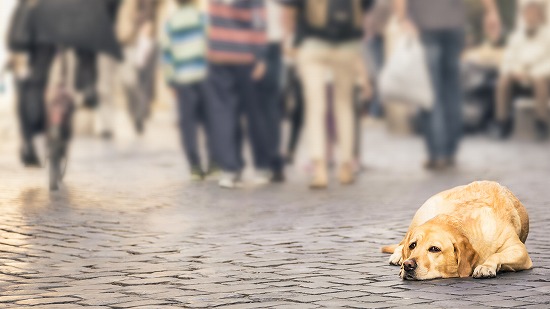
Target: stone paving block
[141, 302]
[47, 301]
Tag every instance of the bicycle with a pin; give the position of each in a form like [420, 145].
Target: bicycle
[59, 110]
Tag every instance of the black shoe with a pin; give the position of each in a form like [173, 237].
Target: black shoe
[107, 135]
[289, 160]
[501, 130]
[91, 99]
[29, 157]
[436, 165]
[140, 127]
[278, 176]
[541, 130]
[450, 162]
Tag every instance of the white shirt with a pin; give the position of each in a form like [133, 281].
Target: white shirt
[275, 30]
[528, 55]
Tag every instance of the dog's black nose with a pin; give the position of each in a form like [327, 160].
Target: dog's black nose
[409, 265]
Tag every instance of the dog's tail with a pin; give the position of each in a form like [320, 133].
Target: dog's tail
[389, 249]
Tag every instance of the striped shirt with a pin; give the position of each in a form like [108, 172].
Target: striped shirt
[237, 32]
[183, 45]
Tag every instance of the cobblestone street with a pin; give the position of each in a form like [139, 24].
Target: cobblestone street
[128, 230]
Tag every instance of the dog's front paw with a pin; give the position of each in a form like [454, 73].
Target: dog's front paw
[484, 272]
[396, 259]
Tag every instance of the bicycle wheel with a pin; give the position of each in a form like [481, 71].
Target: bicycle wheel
[57, 159]
[54, 174]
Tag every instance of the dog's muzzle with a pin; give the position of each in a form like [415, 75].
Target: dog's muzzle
[408, 270]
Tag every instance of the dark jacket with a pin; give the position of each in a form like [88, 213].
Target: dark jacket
[315, 19]
[82, 24]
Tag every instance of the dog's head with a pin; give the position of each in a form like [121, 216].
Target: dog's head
[437, 250]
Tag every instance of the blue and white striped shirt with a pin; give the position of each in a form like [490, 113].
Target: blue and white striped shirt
[184, 46]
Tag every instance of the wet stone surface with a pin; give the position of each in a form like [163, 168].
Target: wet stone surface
[128, 230]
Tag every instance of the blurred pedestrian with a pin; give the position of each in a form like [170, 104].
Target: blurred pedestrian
[480, 72]
[270, 88]
[107, 80]
[331, 32]
[137, 31]
[294, 108]
[237, 56]
[377, 21]
[38, 29]
[183, 44]
[293, 88]
[440, 25]
[526, 64]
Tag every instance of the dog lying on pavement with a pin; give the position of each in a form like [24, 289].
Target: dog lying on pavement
[475, 230]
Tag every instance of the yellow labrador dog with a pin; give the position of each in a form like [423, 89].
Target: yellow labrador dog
[475, 230]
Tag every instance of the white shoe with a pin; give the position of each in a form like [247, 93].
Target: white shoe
[262, 178]
[229, 180]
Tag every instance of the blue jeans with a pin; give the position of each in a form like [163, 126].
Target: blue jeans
[443, 124]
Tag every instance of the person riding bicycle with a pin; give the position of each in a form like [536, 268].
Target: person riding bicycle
[38, 29]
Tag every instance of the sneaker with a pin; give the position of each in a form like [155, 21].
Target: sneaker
[541, 130]
[213, 172]
[196, 173]
[229, 180]
[261, 178]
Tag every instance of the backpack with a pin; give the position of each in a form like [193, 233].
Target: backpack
[335, 20]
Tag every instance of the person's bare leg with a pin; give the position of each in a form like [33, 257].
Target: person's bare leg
[540, 86]
[343, 68]
[312, 71]
[502, 127]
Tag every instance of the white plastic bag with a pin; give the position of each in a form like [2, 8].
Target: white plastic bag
[405, 77]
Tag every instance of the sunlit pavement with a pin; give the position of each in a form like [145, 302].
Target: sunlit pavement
[129, 230]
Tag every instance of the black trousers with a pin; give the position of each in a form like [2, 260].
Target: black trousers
[296, 114]
[31, 105]
[271, 103]
[192, 115]
[231, 94]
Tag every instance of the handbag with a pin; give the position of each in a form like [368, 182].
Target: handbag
[21, 33]
[405, 76]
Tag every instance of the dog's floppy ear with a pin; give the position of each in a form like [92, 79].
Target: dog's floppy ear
[406, 252]
[466, 256]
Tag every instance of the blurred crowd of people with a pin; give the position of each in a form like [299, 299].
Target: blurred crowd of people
[317, 62]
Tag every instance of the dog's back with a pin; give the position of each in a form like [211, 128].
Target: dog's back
[464, 200]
